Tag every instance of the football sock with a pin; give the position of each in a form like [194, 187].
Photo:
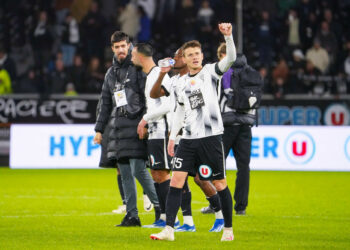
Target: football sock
[226, 203]
[215, 202]
[173, 203]
[161, 202]
[163, 192]
[186, 201]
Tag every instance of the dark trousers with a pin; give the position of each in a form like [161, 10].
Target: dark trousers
[239, 139]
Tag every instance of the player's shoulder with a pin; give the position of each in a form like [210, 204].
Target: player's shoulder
[209, 67]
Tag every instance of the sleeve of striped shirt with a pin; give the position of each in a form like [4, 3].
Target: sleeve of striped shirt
[177, 121]
[230, 57]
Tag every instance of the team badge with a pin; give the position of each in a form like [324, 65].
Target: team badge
[205, 171]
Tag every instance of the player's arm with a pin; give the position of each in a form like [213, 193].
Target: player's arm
[231, 55]
[105, 109]
[152, 115]
[157, 90]
[177, 123]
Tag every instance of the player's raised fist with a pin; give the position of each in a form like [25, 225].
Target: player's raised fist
[225, 29]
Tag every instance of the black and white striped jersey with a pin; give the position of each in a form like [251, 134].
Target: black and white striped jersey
[200, 98]
[157, 126]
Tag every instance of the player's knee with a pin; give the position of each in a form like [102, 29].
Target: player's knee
[160, 176]
[220, 184]
[178, 179]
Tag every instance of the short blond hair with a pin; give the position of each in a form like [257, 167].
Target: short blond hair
[221, 50]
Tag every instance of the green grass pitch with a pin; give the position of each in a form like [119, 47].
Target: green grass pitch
[71, 209]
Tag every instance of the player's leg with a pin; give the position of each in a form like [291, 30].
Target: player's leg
[188, 224]
[213, 167]
[183, 164]
[172, 206]
[242, 149]
[131, 218]
[145, 179]
[121, 209]
[160, 171]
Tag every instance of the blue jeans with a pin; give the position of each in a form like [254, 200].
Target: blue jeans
[136, 168]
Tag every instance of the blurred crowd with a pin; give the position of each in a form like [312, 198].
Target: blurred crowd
[62, 46]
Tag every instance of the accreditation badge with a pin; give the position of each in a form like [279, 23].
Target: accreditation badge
[120, 98]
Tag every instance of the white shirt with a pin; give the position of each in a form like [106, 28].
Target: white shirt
[173, 87]
[156, 108]
[200, 99]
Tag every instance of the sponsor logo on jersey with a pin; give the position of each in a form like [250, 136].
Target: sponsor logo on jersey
[205, 171]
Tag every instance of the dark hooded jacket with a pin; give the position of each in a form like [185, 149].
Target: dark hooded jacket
[123, 142]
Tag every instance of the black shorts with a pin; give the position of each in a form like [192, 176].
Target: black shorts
[204, 155]
[158, 155]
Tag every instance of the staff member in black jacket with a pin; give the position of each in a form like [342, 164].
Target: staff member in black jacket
[237, 133]
[123, 99]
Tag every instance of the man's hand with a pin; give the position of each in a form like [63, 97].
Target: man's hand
[140, 129]
[166, 69]
[98, 138]
[225, 29]
[171, 146]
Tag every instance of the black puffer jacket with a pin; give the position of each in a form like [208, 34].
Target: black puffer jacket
[123, 142]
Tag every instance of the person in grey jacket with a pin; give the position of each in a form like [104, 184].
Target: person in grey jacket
[122, 99]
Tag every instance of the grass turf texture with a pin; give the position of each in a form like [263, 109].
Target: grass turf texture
[71, 209]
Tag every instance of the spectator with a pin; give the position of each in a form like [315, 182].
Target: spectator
[129, 20]
[187, 20]
[70, 90]
[308, 29]
[58, 78]
[205, 19]
[30, 83]
[318, 56]
[264, 73]
[328, 41]
[264, 39]
[42, 41]
[305, 8]
[279, 88]
[5, 82]
[95, 76]
[310, 78]
[334, 26]
[70, 39]
[279, 78]
[281, 71]
[23, 58]
[297, 69]
[149, 7]
[77, 74]
[294, 28]
[93, 25]
[7, 64]
[145, 26]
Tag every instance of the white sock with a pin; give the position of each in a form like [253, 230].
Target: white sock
[162, 217]
[218, 215]
[188, 219]
[176, 219]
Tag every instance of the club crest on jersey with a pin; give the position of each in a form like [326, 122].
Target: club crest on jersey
[205, 171]
[193, 82]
